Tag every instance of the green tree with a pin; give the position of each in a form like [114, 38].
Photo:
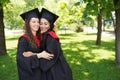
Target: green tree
[97, 8]
[2, 34]
[15, 8]
[12, 14]
[106, 7]
[69, 13]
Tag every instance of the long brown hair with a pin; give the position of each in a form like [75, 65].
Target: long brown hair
[29, 34]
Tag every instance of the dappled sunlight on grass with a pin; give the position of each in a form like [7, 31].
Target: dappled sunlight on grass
[11, 41]
[8, 69]
[12, 46]
[103, 54]
[12, 53]
[105, 51]
[87, 60]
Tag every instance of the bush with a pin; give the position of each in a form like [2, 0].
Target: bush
[78, 29]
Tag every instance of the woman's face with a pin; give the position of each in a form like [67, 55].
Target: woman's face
[44, 25]
[34, 24]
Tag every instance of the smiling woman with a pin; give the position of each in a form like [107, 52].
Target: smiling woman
[28, 67]
[44, 25]
[34, 22]
[57, 68]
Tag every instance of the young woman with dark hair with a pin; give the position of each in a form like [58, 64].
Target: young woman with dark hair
[28, 65]
[56, 68]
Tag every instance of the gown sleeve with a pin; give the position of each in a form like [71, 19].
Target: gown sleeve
[25, 63]
[53, 47]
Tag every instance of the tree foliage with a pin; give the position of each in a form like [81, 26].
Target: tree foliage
[12, 12]
[66, 9]
[14, 9]
[98, 8]
[4, 2]
[93, 8]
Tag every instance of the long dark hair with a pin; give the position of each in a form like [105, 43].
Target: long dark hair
[44, 38]
[29, 34]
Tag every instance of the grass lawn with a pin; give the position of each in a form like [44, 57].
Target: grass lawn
[87, 61]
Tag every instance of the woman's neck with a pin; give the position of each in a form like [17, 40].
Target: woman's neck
[34, 33]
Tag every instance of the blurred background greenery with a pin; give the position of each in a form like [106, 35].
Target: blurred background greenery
[87, 60]
[77, 27]
[73, 14]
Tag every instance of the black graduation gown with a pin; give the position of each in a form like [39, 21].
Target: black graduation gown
[28, 67]
[57, 68]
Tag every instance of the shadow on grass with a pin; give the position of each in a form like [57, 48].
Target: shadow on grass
[85, 69]
[77, 56]
[12, 38]
[8, 69]
[91, 34]
[67, 34]
[104, 45]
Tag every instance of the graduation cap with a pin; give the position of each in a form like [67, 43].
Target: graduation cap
[51, 17]
[30, 14]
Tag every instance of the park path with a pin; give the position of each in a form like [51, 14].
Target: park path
[104, 33]
[13, 32]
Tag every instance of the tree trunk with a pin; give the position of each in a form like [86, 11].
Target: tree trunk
[114, 23]
[99, 18]
[117, 35]
[2, 35]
